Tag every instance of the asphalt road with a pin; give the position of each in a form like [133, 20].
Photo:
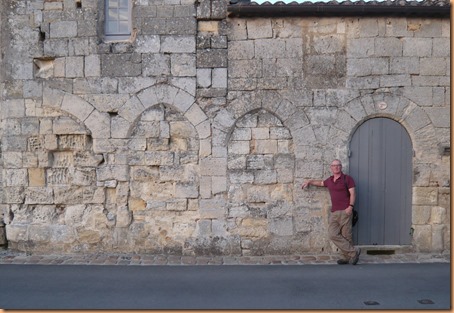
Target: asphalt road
[369, 286]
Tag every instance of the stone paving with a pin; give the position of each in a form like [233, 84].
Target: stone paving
[11, 257]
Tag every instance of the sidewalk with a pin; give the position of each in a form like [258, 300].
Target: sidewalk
[10, 257]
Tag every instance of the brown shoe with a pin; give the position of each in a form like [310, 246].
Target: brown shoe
[355, 259]
[342, 261]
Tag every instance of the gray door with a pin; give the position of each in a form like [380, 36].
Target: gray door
[381, 164]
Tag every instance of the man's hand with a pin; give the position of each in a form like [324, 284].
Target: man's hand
[314, 182]
[349, 210]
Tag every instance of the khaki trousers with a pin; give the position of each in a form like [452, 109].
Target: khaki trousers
[340, 233]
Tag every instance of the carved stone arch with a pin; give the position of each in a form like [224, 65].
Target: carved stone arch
[169, 95]
[163, 122]
[97, 122]
[260, 179]
[164, 183]
[393, 106]
[65, 162]
[292, 116]
[403, 160]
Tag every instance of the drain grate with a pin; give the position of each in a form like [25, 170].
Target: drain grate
[371, 302]
[426, 301]
[381, 252]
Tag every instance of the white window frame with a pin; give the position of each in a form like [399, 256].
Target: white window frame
[112, 16]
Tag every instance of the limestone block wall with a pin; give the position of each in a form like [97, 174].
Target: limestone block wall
[195, 134]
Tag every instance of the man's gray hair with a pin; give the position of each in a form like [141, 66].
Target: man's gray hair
[337, 161]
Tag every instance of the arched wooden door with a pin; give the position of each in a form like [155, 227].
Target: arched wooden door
[381, 164]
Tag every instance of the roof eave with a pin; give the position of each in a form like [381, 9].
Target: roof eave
[244, 9]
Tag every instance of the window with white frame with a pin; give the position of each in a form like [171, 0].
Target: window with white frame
[117, 19]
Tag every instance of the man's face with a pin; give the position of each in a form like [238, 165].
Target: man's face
[336, 167]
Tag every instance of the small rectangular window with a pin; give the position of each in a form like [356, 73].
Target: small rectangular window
[118, 19]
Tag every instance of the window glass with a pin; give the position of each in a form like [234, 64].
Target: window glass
[123, 27]
[118, 19]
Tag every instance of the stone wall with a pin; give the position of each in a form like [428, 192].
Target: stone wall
[194, 136]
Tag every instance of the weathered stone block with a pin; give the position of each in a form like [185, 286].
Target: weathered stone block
[14, 194]
[148, 44]
[76, 106]
[258, 194]
[36, 177]
[218, 184]
[58, 176]
[423, 236]
[438, 235]
[212, 208]
[239, 147]
[259, 162]
[400, 65]
[241, 177]
[66, 125]
[259, 28]
[395, 80]
[239, 211]
[124, 217]
[360, 47]
[438, 215]
[99, 124]
[236, 162]
[265, 177]
[264, 146]
[203, 78]
[186, 190]
[85, 158]
[281, 226]
[183, 65]
[253, 227]
[219, 78]
[110, 172]
[388, 47]
[44, 214]
[16, 233]
[156, 64]
[329, 44]
[159, 158]
[285, 176]
[178, 44]
[15, 177]
[13, 108]
[434, 66]
[243, 68]
[177, 205]
[74, 214]
[213, 167]
[205, 187]
[212, 58]
[136, 204]
[74, 67]
[39, 195]
[440, 47]
[92, 66]
[63, 29]
[12, 159]
[203, 227]
[131, 65]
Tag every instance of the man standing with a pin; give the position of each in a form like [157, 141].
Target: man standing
[342, 191]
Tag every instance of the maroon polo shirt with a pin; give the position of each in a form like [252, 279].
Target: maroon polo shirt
[340, 197]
